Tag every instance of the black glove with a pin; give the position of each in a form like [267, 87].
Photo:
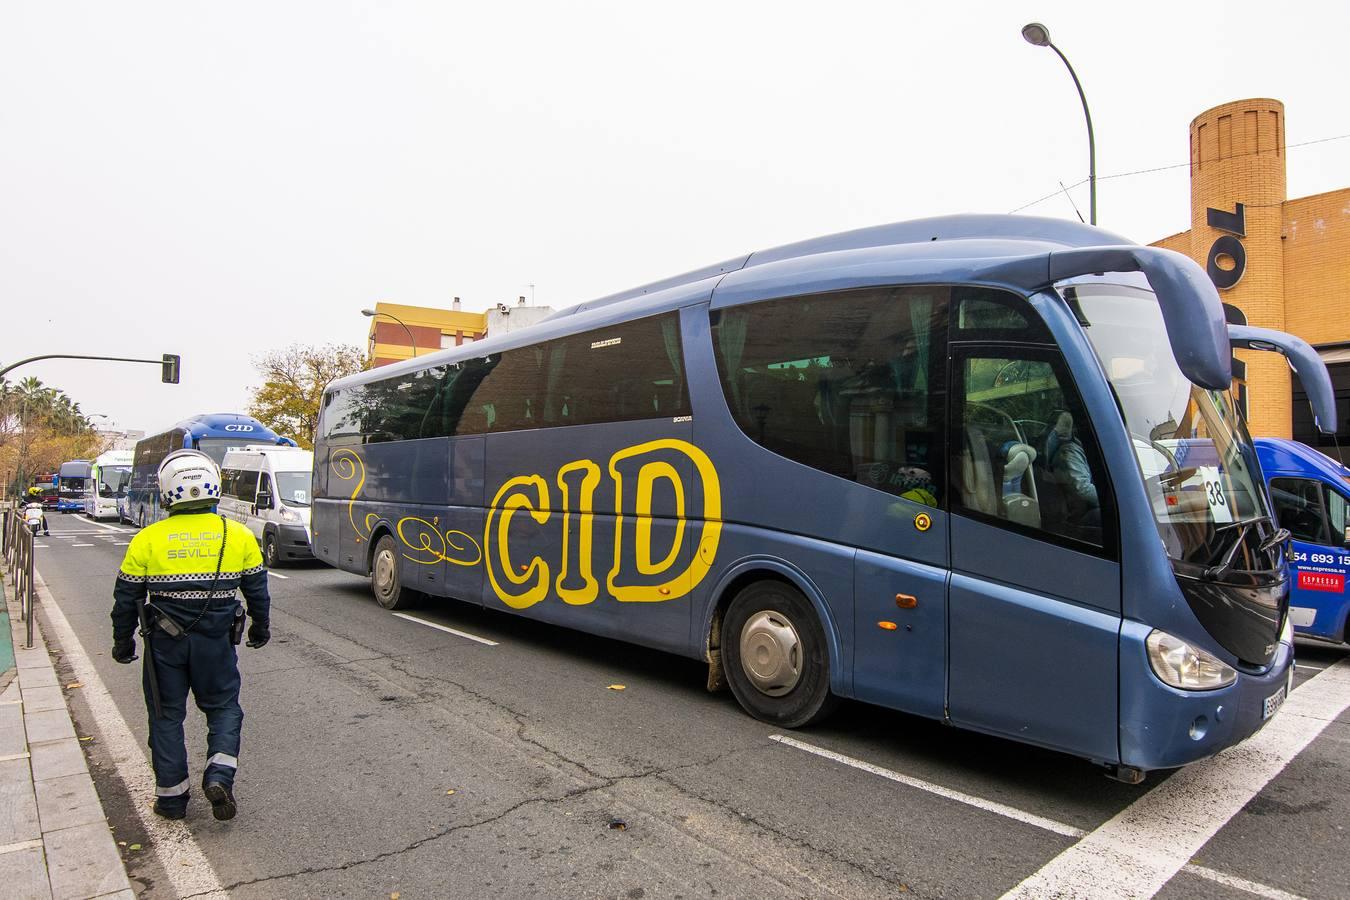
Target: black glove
[258, 634]
[124, 651]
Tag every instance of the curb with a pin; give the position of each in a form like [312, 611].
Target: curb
[55, 843]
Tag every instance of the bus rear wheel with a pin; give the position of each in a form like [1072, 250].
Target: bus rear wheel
[777, 662]
[385, 582]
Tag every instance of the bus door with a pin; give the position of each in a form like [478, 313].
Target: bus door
[1034, 601]
[1318, 518]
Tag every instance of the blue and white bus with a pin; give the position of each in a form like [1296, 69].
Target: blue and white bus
[72, 482]
[1311, 494]
[212, 433]
[917, 465]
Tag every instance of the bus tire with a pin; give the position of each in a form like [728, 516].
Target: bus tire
[778, 665]
[385, 582]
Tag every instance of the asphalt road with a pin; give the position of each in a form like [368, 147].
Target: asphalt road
[359, 724]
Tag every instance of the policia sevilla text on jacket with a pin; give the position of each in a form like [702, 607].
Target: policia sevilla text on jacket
[178, 583]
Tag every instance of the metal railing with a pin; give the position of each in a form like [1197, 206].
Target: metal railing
[17, 540]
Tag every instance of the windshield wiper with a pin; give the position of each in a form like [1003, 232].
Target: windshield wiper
[1280, 535]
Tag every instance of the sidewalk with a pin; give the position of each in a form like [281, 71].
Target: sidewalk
[54, 838]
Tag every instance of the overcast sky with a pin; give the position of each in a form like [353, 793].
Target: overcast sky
[221, 179]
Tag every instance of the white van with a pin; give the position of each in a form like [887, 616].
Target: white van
[268, 489]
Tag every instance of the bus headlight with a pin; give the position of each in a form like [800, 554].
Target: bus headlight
[1180, 665]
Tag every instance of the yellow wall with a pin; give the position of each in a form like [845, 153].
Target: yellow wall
[1297, 275]
[427, 324]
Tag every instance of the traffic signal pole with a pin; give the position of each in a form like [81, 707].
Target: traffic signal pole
[169, 364]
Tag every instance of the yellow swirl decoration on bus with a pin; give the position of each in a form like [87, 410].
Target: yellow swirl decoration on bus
[445, 543]
[346, 465]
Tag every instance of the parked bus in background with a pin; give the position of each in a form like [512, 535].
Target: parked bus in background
[267, 489]
[214, 434]
[922, 465]
[46, 486]
[1311, 493]
[73, 482]
[108, 480]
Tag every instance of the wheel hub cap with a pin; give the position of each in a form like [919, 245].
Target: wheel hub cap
[771, 652]
[384, 571]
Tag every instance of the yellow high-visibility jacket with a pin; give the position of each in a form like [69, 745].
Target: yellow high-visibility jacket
[173, 563]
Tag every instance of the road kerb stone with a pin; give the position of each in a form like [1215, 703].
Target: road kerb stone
[53, 759]
[68, 801]
[24, 875]
[83, 862]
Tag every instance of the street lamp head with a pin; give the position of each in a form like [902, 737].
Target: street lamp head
[369, 312]
[1037, 34]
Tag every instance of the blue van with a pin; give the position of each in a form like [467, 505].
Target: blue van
[1311, 495]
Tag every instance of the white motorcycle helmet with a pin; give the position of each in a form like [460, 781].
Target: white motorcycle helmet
[188, 478]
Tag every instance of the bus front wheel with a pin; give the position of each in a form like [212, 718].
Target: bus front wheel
[385, 582]
[777, 662]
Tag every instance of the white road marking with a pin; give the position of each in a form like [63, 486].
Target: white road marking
[1060, 828]
[910, 781]
[1242, 884]
[277, 575]
[81, 545]
[107, 526]
[446, 629]
[172, 842]
[41, 546]
[122, 543]
[1138, 850]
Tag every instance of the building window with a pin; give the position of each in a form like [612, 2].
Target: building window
[448, 341]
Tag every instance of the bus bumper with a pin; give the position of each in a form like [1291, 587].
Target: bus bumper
[1162, 727]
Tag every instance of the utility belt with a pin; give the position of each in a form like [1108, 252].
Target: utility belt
[161, 620]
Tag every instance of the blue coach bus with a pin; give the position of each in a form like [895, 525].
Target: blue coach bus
[915, 465]
[212, 433]
[1311, 493]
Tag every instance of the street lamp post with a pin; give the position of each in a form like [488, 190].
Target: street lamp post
[1038, 35]
[369, 313]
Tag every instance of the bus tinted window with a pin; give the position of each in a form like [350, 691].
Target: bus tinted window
[987, 314]
[849, 383]
[632, 370]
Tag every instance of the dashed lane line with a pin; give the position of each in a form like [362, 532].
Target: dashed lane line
[1137, 851]
[447, 629]
[107, 526]
[277, 575]
[183, 860]
[81, 545]
[1018, 815]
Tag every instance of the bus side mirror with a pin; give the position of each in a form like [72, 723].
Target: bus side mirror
[1303, 359]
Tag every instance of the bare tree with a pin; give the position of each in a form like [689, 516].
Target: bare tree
[293, 381]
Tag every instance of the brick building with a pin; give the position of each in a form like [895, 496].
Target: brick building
[1283, 263]
[431, 329]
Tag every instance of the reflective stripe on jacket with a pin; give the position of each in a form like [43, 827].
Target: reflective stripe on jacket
[175, 559]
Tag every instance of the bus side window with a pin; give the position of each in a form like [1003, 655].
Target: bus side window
[1298, 507]
[849, 383]
[1021, 449]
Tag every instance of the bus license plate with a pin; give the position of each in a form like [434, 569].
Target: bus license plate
[1273, 703]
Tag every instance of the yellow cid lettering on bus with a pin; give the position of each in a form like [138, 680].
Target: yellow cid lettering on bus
[648, 544]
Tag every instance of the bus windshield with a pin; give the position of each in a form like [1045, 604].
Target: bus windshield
[1193, 449]
[112, 480]
[216, 447]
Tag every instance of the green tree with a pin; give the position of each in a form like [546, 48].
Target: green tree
[293, 380]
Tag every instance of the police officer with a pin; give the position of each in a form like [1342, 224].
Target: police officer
[178, 582]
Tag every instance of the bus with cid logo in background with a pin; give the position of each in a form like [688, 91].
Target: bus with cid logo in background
[923, 465]
[213, 434]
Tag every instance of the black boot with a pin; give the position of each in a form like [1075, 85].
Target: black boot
[170, 811]
[222, 800]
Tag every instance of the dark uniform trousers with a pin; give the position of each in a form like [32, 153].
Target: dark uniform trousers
[173, 564]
